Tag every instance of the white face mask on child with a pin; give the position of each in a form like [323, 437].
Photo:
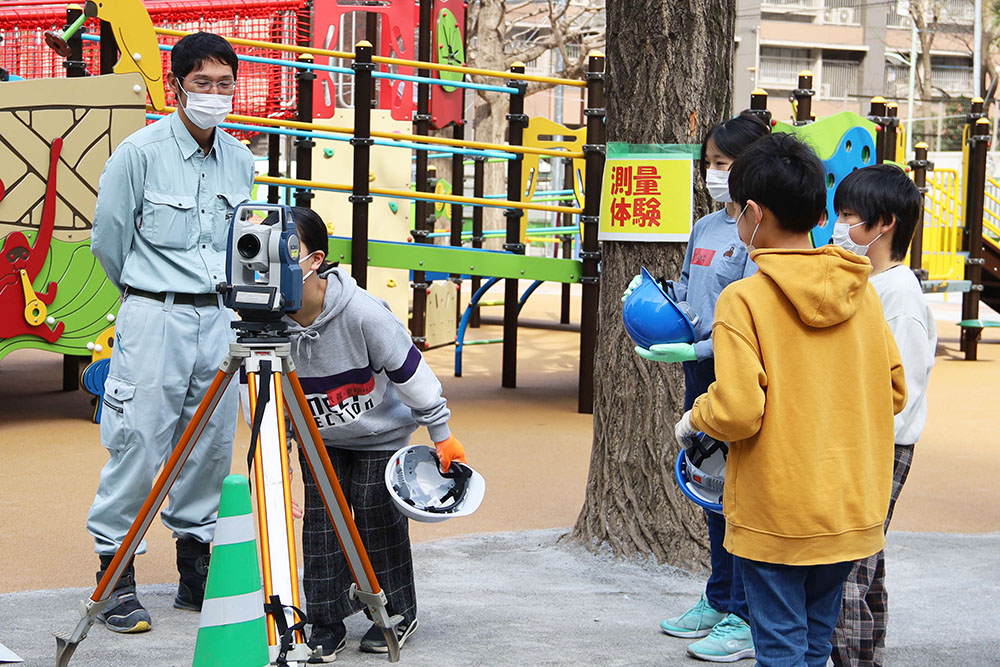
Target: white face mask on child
[310, 272]
[747, 244]
[717, 182]
[842, 237]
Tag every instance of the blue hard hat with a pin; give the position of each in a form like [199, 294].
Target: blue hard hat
[700, 470]
[651, 317]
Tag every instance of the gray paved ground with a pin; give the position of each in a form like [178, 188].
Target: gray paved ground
[524, 599]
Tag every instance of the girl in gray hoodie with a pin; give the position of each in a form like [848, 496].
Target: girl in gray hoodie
[368, 388]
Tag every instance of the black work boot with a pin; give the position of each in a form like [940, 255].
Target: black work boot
[192, 565]
[124, 612]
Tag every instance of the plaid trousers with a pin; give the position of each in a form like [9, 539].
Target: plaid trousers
[384, 532]
[859, 638]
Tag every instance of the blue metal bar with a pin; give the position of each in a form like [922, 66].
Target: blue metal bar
[344, 70]
[344, 137]
[528, 292]
[537, 194]
[466, 316]
[534, 231]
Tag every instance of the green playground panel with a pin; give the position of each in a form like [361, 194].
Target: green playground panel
[446, 259]
[825, 134]
[979, 324]
[83, 300]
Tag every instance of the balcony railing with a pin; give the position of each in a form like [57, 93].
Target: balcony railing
[791, 6]
[776, 71]
[840, 79]
[952, 81]
[950, 12]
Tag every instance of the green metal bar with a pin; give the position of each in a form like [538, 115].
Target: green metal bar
[491, 303]
[484, 341]
[463, 261]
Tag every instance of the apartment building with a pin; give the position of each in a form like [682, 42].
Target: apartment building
[855, 49]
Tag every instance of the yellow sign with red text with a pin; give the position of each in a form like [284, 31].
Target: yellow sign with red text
[647, 198]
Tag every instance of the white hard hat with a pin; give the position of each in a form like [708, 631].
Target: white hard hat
[423, 493]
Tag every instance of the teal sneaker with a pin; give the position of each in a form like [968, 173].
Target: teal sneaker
[730, 640]
[695, 622]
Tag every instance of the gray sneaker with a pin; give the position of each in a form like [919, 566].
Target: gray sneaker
[374, 640]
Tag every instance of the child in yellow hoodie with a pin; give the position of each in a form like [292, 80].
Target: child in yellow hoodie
[808, 379]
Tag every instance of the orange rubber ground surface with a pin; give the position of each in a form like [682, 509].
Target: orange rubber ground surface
[529, 443]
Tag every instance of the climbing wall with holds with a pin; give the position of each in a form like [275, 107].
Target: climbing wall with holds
[388, 218]
[55, 136]
[843, 142]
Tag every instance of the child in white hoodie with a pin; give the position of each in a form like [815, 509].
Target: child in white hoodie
[878, 209]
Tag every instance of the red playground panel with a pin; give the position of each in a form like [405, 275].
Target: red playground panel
[339, 25]
[264, 90]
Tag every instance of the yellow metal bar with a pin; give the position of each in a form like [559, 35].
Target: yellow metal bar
[265, 45]
[429, 196]
[473, 71]
[417, 138]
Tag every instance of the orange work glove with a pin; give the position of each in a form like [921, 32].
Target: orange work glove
[449, 450]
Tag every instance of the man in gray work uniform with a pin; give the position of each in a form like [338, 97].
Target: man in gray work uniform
[161, 227]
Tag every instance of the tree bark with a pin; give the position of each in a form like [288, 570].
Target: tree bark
[669, 81]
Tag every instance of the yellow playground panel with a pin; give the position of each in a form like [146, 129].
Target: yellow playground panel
[944, 223]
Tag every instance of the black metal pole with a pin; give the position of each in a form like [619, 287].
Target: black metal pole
[109, 48]
[803, 98]
[74, 62]
[979, 138]
[891, 129]
[758, 105]
[590, 254]
[478, 190]
[457, 210]
[304, 145]
[421, 125]
[566, 242]
[877, 115]
[74, 67]
[920, 165]
[371, 36]
[362, 142]
[516, 122]
[273, 166]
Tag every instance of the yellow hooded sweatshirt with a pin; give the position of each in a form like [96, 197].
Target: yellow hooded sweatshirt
[808, 379]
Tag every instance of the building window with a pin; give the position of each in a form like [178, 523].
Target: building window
[780, 67]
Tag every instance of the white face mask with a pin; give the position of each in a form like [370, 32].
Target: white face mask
[717, 182]
[748, 244]
[842, 237]
[310, 272]
[206, 110]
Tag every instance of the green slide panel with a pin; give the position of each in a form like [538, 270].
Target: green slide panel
[463, 261]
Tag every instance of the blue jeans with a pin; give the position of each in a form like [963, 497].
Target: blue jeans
[724, 590]
[793, 610]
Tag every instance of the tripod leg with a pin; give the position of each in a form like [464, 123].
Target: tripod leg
[274, 502]
[89, 609]
[366, 587]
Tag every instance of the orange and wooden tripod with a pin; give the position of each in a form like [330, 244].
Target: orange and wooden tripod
[265, 355]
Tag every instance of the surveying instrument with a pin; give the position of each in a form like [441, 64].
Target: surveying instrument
[264, 281]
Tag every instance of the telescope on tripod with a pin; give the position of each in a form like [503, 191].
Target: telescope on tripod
[263, 282]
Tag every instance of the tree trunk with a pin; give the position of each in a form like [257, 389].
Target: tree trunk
[669, 73]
